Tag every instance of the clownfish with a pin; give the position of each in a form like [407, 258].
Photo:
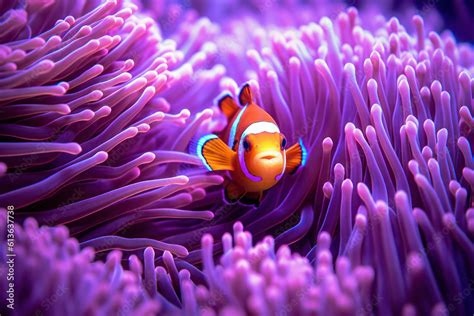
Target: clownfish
[251, 148]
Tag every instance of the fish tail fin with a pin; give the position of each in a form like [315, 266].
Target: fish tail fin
[214, 153]
[245, 95]
[296, 156]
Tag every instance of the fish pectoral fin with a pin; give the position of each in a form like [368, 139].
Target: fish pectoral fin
[233, 192]
[252, 198]
[215, 154]
[228, 106]
[245, 95]
[295, 157]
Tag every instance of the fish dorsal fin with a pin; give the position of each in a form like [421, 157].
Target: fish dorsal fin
[245, 95]
[296, 156]
[228, 106]
[215, 154]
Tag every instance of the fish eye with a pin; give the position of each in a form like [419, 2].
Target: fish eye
[283, 142]
[246, 145]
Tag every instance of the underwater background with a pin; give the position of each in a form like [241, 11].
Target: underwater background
[99, 101]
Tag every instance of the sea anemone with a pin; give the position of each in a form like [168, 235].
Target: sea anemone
[88, 135]
[101, 100]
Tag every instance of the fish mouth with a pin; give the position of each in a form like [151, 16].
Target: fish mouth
[269, 156]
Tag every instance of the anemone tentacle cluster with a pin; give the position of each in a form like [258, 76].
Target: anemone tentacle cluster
[88, 130]
[99, 103]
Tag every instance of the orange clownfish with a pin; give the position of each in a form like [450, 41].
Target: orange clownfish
[251, 148]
